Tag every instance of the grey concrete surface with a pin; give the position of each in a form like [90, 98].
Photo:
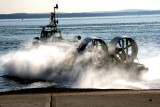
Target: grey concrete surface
[84, 99]
[30, 100]
[108, 99]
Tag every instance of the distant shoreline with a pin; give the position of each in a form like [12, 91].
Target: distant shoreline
[85, 14]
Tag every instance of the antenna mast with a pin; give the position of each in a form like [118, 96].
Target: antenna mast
[53, 20]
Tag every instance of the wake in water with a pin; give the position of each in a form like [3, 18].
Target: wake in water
[59, 63]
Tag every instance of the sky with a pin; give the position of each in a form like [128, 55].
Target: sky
[71, 6]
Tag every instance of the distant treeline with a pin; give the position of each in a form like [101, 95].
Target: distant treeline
[87, 14]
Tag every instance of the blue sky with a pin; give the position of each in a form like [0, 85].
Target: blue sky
[41, 6]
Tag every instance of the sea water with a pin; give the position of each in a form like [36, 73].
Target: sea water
[17, 35]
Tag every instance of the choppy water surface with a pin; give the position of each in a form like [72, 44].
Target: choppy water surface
[16, 40]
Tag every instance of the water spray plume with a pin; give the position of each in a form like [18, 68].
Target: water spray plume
[60, 63]
[153, 64]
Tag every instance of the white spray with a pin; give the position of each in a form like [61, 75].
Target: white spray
[59, 62]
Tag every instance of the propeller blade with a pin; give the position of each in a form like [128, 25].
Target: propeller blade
[119, 44]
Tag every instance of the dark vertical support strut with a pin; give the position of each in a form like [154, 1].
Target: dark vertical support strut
[123, 46]
[127, 49]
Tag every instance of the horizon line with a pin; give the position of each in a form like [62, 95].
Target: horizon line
[125, 10]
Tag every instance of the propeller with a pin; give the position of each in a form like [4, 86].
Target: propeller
[123, 46]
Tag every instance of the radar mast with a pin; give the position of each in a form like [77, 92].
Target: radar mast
[53, 20]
